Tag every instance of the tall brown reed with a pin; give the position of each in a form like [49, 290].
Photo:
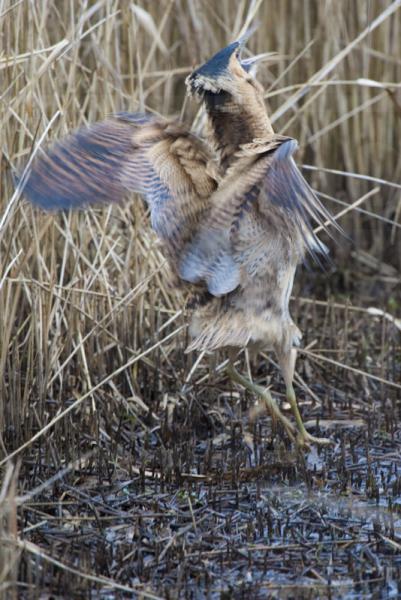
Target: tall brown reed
[87, 320]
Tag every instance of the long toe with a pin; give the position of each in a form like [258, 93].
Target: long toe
[305, 439]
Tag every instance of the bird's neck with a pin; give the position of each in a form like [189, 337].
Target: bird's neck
[233, 123]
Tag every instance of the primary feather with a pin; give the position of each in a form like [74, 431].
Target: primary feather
[129, 152]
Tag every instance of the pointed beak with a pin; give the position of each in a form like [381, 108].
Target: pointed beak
[214, 74]
[247, 33]
[218, 64]
[254, 61]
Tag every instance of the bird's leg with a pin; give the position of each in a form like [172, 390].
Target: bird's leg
[287, 364]
[269, 401]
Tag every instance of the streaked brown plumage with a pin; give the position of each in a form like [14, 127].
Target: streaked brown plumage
[234, 105]
[234, 220]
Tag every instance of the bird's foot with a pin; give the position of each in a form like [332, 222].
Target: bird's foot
[305, 439]
[297, 434]
[268, 400]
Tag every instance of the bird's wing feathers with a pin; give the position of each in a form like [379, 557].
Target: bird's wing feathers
[160, 159]
[286, 189]
[85, 167]
[266, 174]
[209, 257]
[128, 152]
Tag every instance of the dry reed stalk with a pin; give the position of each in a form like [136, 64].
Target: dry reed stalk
[91, 335]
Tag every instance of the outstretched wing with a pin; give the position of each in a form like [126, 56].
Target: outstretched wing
[129, 152]
[285, 188]
[267, 176]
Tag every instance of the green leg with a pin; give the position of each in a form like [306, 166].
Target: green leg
[270, 403]
[304, 438]
[287, 364]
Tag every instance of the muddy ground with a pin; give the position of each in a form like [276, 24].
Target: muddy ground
[201, 495]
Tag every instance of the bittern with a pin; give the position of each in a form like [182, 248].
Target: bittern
[235, 216]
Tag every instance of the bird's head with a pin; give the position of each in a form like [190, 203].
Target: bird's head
[225, 72]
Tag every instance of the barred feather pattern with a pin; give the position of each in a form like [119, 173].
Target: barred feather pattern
[130, 152]
[235, 223]
[262, 212]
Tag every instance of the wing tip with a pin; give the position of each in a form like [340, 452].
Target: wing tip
[81, 169]
[49, 203]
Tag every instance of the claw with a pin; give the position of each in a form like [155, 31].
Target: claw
[305, 440]
[297, 435]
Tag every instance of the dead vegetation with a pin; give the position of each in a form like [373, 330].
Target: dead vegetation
[137, 469]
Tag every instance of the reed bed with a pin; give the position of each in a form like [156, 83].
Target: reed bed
[131, 469]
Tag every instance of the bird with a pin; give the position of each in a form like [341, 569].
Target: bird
[233, 212]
